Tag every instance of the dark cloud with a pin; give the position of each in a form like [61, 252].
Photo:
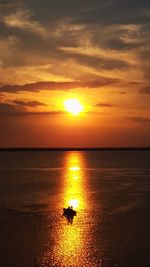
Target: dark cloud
[145, 90]
[29, 113]
[123, 93]
[50, 26]
[91, 11]
[14, 110]
[99, 63]
[116, 12]
[143, 120]
[60, 86]
[56, 10]
[48, 49]
[118, 44]
[9, 3]
[8, 109]
[29, 103]
[104, 105]
[135, 83]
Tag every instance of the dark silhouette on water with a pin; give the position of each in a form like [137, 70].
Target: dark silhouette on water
[69, 214]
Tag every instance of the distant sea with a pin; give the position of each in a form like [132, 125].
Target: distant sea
[110, 190]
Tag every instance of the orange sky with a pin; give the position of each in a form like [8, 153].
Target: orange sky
[96, 52]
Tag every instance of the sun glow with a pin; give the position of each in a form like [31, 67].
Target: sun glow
[73, 106]
[74, 168]
[74, 203]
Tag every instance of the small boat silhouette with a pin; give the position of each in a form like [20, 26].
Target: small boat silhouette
[69, 214]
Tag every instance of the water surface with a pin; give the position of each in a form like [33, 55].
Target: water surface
[109, 190]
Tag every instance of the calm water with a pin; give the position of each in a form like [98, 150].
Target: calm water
[109, 190]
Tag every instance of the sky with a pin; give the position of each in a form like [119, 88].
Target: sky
[95, 51]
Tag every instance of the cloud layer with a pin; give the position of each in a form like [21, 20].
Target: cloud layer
[97, 51]
[59, 86]
[91, 37]
[20, 110]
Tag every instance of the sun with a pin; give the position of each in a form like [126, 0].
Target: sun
[73, 106]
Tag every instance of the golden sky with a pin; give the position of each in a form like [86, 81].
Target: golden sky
[96, 52]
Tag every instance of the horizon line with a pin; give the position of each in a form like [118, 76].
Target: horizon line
[74, 148]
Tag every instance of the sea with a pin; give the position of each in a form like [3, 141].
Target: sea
[110, 190]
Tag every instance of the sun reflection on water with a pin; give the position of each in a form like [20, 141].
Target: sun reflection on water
[74, 168]
[74, 181]
[68, 248]
[71, 237]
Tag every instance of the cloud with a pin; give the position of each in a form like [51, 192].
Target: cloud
[99, 63]
[9, 3]
[22, 19]
[14, 110]
[59, 86]
[145, 90]
[92, 11]
[8, 109]
[123, 93]
[135, 83]
[29, 103]
[104, 105]
[117, 31]
[116, 12]
[143, 120]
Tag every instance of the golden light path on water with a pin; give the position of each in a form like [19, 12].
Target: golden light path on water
[75, 181]
[69, 244]
[71, 237]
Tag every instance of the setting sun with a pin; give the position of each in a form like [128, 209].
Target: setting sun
[73, 106]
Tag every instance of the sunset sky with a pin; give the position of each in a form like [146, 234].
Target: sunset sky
[94, 51]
